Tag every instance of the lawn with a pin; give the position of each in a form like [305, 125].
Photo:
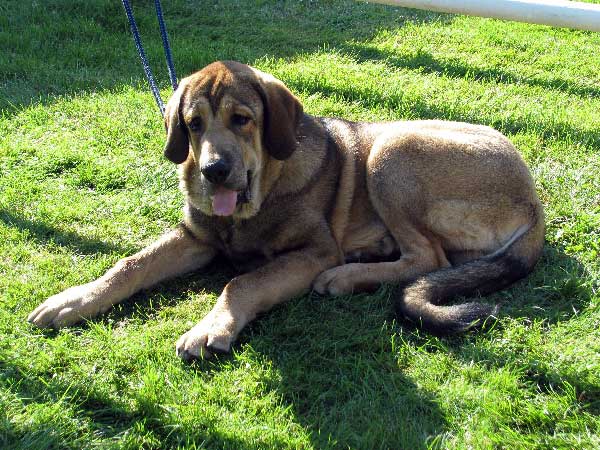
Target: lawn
[83, 183]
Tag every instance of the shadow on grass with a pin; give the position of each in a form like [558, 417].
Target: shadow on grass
[45, 234]
[342, 386]
[454, 68]
[557, 291]
[140, 425]
[87, 47]
[422, 109]
[341, 377]
[210, 280]
[362, 387]
[337, 366]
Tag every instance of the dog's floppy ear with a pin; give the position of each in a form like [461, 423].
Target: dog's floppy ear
[177, 145]
[281, 117]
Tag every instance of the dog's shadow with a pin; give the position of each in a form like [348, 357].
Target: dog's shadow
[345, 346]
[337, 360]
[331, 361]
[341, 370]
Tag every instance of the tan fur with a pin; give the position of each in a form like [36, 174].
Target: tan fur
[400, 200]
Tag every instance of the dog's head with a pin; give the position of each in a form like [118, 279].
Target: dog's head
[224, 125]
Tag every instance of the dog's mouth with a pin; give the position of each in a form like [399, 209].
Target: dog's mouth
[224, 200]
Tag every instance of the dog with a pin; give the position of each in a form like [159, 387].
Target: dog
[297, 202]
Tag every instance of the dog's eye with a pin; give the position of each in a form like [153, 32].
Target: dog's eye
[239, 121]
[195, 124]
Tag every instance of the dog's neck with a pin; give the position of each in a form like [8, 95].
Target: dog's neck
[293, 174]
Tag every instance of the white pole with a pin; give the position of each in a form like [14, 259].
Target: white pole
[558, 13]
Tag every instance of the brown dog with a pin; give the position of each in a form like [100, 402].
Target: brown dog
[442, 208]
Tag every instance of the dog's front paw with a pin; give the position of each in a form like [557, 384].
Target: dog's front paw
[67, 308]
[336, 281]
[214, 334]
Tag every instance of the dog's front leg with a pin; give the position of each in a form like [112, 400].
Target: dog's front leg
[247, 295]
[176, 253]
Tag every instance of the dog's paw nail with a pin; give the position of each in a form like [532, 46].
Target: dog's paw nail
[319, 289]
[216, 347]
[193, 345]
[191, 353]
[333, 290]
[187, 356]
[320, 285]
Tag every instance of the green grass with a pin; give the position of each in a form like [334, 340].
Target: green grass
[83, 183]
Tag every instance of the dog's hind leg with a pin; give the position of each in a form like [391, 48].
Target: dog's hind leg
[420, 254]
[176, 253]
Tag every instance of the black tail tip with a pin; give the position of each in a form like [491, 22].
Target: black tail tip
[455, 319]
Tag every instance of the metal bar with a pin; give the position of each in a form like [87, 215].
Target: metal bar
[558, 13]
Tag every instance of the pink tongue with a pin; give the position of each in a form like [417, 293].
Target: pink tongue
[224, 201]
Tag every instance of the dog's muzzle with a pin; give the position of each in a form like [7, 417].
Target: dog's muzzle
[246, 195]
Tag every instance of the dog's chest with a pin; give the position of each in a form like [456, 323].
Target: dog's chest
[244, 246]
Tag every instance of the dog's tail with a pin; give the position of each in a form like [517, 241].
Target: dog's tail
[421, 300]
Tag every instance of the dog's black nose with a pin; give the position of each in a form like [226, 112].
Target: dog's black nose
[217, 171]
